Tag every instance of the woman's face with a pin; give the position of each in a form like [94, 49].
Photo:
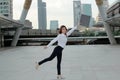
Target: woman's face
[64, 31]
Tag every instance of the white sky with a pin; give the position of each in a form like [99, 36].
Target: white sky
[61, 10]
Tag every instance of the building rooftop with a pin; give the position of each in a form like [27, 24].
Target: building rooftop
[80, 62]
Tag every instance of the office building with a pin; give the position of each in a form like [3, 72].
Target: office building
[87, 10]
[6, 8]
[54, 24]
[76, 11]
[85, 20]
[42, 17]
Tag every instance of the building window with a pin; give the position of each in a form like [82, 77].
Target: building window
[1, 3]
[5, 7]
[0, 7]
[6, 15]
[5, 3]
[6, 11]
[1, 12]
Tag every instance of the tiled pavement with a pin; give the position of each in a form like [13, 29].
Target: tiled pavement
[79, 62]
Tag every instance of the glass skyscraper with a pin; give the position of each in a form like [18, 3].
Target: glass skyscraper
[82, 14]
[6, 8]
[87, 10]
[42, 17]
[54, 24]
[76, 11]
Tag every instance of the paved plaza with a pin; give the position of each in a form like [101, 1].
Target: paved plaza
[79, 62]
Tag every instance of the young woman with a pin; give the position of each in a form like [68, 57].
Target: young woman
[62, 40]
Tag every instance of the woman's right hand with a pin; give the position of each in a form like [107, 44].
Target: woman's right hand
[45, 47]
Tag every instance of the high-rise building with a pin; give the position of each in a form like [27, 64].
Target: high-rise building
[106, 6]
[42, 17]
[76, 11]
[54, 24]
[6, 8]
[87, 10]
[85, 20]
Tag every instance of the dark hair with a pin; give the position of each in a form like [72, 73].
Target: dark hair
[60, 30]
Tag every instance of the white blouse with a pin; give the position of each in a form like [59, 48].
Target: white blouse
[62, 38]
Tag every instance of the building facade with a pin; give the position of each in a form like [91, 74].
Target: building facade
[113, 12]
[6, 8]
[54, 24]
[42, 17]
[87, 10]
[76, 11]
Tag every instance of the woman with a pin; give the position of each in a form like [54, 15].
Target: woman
[62, 40]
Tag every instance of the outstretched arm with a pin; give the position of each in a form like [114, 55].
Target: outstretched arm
[70, 32]
[52, 42]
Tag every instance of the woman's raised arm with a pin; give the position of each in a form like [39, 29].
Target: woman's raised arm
[70, 31]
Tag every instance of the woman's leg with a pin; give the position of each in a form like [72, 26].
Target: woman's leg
[49, 58]
[59, 58]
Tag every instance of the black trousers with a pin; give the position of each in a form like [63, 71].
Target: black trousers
[57, 52]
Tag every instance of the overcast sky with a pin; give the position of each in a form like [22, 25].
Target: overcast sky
[61, 10]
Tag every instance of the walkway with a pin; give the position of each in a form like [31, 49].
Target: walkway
[81, 62]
